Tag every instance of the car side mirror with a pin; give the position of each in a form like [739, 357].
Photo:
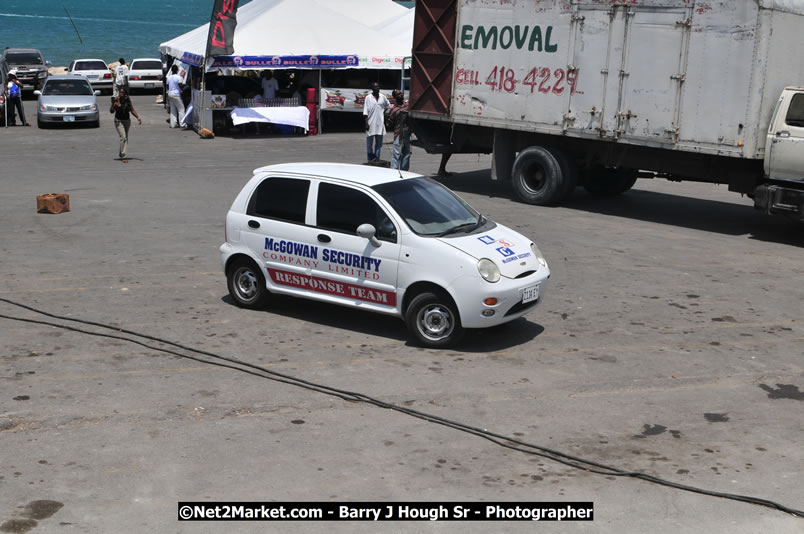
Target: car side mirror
[38, 92]
[368, 231]
[48, 63]
[97, 92]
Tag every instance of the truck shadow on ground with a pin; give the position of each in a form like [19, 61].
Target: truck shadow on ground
[651, 206]
[361, 322]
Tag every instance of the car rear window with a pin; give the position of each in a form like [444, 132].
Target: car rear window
[280, 198]
[24, 58]
[90, 65]
[146, 65]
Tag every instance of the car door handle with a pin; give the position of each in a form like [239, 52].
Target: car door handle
[253, 224]
[324, 238]
[783, 133]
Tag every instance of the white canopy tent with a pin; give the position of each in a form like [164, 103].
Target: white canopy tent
[305, 34]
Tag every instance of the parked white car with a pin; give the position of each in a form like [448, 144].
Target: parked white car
[379, 240]
[95, 70]
[145, 73]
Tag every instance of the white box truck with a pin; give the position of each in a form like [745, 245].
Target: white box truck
[599, 92]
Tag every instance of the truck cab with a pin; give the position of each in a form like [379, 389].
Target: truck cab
[784, 157]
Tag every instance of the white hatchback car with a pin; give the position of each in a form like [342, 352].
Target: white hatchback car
[380, 240]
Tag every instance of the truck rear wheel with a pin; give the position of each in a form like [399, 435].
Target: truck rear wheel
[537, 176]
[603, 181]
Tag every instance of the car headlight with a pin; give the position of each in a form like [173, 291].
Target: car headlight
[488, 270]
[42, 74]
[90, 107]
[48, 108]
[538, 255]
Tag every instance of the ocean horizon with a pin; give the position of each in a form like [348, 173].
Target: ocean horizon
[108, 30]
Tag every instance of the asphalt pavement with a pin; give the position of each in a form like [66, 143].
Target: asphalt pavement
[669, 342]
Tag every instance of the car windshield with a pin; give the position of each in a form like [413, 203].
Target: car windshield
[67, 87]
[90, 65]
[429, 208]
[24, 58]
[147, 65]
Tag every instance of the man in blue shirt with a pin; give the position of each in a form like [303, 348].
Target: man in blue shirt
[14, 93]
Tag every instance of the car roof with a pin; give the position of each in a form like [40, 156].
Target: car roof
[89, 59]
[21, 50]
[357, 174]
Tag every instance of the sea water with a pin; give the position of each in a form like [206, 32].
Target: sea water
[109, 30]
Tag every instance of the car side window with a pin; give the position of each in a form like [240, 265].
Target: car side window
[284, 199]
[343, 209]
[795, 114]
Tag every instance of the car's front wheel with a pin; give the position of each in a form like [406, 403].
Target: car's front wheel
[247, 285]
[433, 320]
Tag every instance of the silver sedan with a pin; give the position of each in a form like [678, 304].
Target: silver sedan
[67, 100]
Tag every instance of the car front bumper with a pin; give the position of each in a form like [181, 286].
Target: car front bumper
[471, 292]
[59, 117]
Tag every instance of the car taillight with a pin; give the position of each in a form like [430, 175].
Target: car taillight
[135, 77]
[107, 76]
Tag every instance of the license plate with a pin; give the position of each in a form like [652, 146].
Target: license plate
[69, 118]
[529, 294]
[149, 86]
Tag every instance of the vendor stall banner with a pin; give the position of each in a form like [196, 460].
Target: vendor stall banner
[335, 99]
[283, 62]
[222, 27]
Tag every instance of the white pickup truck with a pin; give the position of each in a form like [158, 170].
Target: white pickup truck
[597, 93]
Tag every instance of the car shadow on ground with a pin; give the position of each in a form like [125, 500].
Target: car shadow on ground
[484, 340]
[663, 208]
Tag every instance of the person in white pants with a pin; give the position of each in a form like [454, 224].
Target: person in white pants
[174, 97]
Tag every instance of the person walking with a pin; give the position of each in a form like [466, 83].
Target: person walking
[374, 109]
[122, 109]
[14, 93]
[120, 77]
[398, 120]
[174, 97]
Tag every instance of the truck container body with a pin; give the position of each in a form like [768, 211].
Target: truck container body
[684, 88]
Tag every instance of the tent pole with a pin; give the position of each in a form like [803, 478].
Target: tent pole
[317, 107]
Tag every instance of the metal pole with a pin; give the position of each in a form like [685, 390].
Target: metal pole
[317, 106]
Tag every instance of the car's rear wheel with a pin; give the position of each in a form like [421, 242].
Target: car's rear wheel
[247, 285]
[433, 320]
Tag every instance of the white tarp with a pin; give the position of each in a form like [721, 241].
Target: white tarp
[305, 34]
[298, 116]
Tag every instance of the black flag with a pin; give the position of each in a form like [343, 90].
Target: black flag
[221, 28]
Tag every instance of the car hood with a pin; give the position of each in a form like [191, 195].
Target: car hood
[66, 100]
[510, 250]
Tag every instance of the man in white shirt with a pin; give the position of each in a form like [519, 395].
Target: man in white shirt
[269, 85]
[174, 97]
[120, 77]
[374, 108]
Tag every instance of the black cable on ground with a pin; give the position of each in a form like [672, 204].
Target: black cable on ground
[350, 396]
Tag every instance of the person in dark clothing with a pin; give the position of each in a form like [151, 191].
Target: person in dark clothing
[398, 121]
[14, 94]
[123, 109]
